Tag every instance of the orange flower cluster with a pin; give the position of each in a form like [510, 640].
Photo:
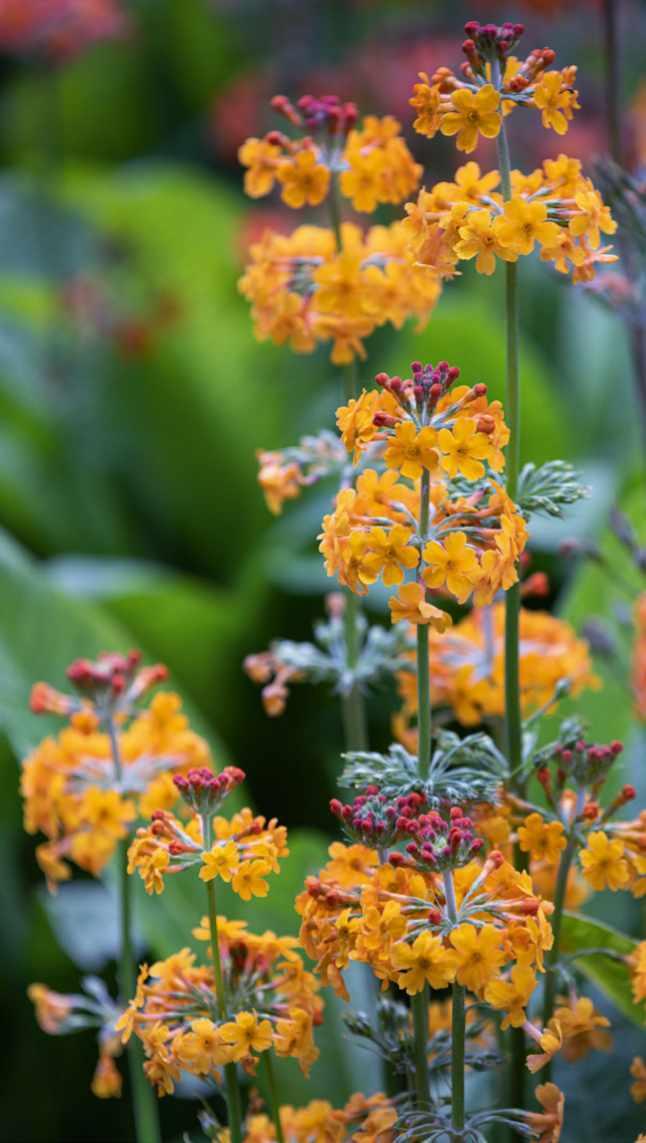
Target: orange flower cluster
[493, 84]
[555, 209]
[467, 667]
[364, 1119]
[471, 542]
[82, 796]
[305, 288]
[372, 164]
[272, 1004]
[481, 924]
[241, 850]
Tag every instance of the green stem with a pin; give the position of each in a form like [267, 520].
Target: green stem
[144, 1102]
[513, 716]
[424, 716]
[458, 1024]
[419, 1005]
[273, 1096]
[143, 1098]
[552, 959]
[353, 706]
[230, 1076]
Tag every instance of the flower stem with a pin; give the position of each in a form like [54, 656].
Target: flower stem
[273, 1096]
[419, 1005]
[458, 1024]
[353, 707]
[424, 717]
[144, 1102]
[231, 1079]
[143, 1098]
[553, 955]
[513, 716]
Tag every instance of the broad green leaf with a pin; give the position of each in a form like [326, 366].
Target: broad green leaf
[610, 975]
[159, 606]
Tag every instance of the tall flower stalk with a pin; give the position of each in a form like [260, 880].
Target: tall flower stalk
[144, 1104]
[230, 1075]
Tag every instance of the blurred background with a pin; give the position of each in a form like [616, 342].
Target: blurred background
[133, 397]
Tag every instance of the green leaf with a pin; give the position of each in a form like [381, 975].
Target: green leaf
[610, 975]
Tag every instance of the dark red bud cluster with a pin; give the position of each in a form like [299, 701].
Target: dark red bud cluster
[485, 42]
[108, 672]
[375, 820]
[316, 113]
[437, 843]
[109, 680]
[582, 763]
[204, 791]
[423, 389]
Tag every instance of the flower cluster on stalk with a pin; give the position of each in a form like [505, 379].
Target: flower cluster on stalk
[425, 432]
[272, 1004]
[241, 850]
[112, 763]
[467, 667]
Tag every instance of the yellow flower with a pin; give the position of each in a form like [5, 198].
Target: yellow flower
[603, 862]
[472, 185]
[523, 224]
[390, 553]
[462, 448]
[411, 605]
[426, 102]
[425, 961]
[452, 563]
[246, 1034]
[512, 996]
[554, 101]
[204, 1047]
[473, 114]
[580, 1026]
[479, 955]
[262, 159]
[339, 285]
[106, 1081]
[220, 861]
[362, 183]
[543, 840]
[411, 451]
[547, 1123]
[248, 880]
[479, 240]
[304, 180]
[592, 217]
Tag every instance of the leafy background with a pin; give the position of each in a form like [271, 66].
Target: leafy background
[129, 513]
